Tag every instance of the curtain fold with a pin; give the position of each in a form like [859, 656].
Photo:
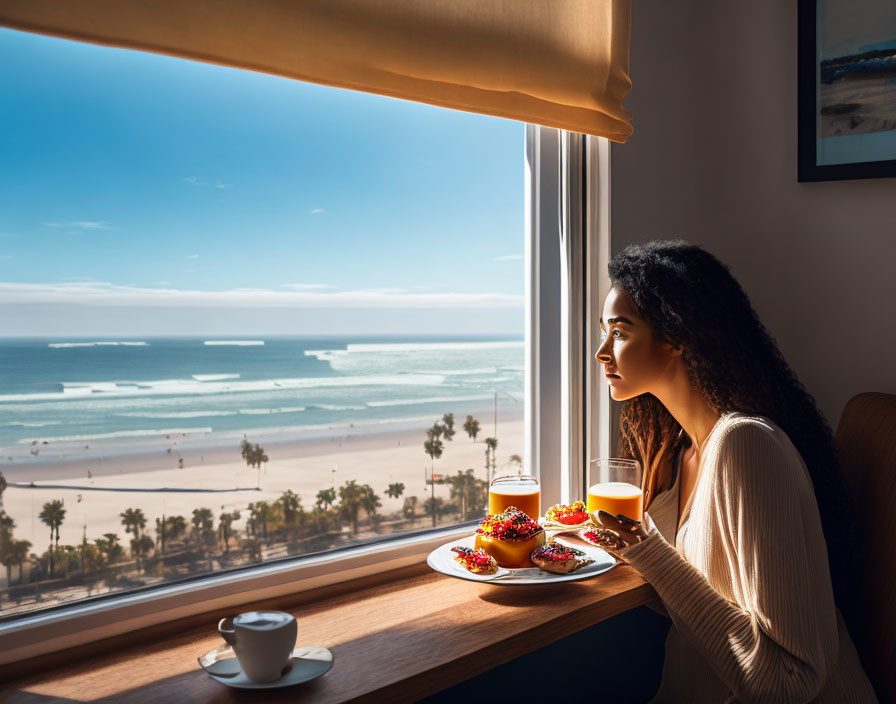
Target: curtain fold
[559, 63]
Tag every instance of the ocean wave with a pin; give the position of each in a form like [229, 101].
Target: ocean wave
[480, 371]
[214, 377]
[103, 343]
[238, 343]
[269, 411]
[324, 355]
[426, 346]
[22, 424]
[333, 407]
[178, 414]
[118, 434]
[191, 387]
[433, 399]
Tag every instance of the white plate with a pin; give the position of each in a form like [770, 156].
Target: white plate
[442, 560]
[308, 663]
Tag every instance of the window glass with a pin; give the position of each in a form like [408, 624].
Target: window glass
[242, 318]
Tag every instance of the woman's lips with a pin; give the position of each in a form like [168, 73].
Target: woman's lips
[612, 377]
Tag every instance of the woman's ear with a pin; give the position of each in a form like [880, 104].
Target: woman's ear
[673, 350]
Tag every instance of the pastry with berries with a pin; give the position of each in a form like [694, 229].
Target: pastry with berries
[509, 537]
[477, 561]
[602, 538]
[559, 559]
[574, 514]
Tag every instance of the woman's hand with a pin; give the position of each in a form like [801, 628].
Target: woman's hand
[617, 532]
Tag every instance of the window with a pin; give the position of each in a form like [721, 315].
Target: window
[235, 307]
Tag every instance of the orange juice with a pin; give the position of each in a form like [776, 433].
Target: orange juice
[616, 497]
[526, 496]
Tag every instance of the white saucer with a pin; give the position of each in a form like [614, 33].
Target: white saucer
[308, 662]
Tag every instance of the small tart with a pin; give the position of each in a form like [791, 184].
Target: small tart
[574, 514]
[559, 559]
[602, 538]
[509, 537]
[476, 561]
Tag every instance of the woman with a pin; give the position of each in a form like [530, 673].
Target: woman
[737, 462]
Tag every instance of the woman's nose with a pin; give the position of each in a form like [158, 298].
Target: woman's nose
[602, 355]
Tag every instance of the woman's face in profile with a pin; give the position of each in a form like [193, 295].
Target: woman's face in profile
[629, 350]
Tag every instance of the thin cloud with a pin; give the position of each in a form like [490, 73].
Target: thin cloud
[316, 211]
[194, 180]
[222, 185]
[4, 257]
[163, 283]
[192, 256]
[82, 225]
[8, 234]
[107, 294]
[307, 287]
[507, 258]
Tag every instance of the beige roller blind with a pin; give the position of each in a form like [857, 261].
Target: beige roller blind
[560, 63]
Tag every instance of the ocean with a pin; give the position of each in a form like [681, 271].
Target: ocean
[62, 392]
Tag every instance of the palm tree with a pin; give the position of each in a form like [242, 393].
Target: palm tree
[225, 520]
[161, 529]
[471, 425]
[260, 513]
[395, 490]
[370, 502]
[203, 523]
[326, 498]
[517, 460]
[109, 547]
[254, 455]
[141, 547]
[409, 510]
[350, 497]
[6, 527]
[491, 445]
[462, 485]
[52, 515]
[432, 507]
[433, 446]
[176, 527]
[448, 426]
[290, 505]
[18, 553]
[134, 521]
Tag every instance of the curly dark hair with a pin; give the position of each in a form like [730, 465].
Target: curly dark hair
[690, 299]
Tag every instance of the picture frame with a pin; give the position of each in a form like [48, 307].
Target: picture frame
[846, 90]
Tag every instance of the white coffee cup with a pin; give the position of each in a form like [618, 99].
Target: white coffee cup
[262, 641]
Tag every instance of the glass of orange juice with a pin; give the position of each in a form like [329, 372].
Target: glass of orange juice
[520, 490]
[614, 486]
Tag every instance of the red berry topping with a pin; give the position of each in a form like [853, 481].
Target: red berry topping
[570, 514]
[512, 524]
[557, 552]
[475, 560]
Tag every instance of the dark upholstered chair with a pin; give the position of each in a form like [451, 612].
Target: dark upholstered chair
[866, 444]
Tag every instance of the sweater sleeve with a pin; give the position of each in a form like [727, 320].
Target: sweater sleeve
[773, 641]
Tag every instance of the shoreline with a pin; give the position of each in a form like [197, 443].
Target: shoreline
[303, 465]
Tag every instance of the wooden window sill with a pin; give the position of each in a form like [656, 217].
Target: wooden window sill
[395, 637]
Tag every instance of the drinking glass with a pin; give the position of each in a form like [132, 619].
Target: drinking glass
[614, 486]
[520, 490]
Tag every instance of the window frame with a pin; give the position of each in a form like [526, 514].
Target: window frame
[566, 195]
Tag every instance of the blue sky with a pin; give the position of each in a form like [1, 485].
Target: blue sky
[137, 191]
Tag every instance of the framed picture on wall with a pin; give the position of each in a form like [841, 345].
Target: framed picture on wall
[847, 89]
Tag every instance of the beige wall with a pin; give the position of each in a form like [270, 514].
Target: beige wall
[713, 160]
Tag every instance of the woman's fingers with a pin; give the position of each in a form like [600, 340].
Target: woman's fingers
[629, 529]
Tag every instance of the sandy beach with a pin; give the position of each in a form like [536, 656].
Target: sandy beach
[222, 480]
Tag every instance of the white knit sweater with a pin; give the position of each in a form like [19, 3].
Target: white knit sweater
[747, 583]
